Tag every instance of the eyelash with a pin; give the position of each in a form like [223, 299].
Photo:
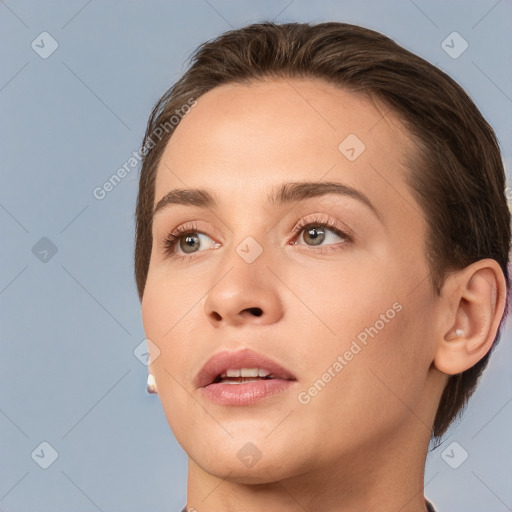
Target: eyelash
[173, 238]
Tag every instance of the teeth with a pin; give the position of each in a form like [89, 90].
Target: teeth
[249, 372]
[245, 372]
[244, 381]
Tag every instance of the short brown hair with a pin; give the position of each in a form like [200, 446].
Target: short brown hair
[456, 174]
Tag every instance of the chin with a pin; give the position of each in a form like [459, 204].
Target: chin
[244, 458]
[265, 471]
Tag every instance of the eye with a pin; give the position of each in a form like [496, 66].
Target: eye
[188, 239]
[316, 231]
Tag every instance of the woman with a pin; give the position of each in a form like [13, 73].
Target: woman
[321, 256]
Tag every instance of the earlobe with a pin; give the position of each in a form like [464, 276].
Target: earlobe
[476, 295]
[452, 356]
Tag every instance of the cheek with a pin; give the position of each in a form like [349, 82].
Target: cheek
[160, 310]
[367, 384]
[166, 300]
[154, 304]
[171, 311]
[372, 343]
[340, 299]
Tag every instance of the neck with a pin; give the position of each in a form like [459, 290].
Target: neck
[383, 475]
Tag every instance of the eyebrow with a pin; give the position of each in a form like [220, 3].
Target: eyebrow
[285, 193]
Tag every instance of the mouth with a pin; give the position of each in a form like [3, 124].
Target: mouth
[242, 377]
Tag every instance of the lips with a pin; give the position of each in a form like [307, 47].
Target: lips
[219, 369]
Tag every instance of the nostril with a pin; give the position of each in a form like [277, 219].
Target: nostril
[255, 311]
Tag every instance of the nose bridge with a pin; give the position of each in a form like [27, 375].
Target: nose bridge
[250, 239]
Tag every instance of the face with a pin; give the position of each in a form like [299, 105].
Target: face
[324, 286]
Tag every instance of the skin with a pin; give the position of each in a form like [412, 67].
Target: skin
[361, 442]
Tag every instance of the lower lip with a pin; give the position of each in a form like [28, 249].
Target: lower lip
[247, 393]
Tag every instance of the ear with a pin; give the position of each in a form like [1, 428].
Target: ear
[474, 300]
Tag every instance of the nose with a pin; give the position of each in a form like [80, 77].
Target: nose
[246, 293]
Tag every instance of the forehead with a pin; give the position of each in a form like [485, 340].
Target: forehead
[254, 136]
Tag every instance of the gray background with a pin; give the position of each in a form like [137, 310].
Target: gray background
[70, 323]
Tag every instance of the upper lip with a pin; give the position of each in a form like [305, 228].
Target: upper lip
[245, 358]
